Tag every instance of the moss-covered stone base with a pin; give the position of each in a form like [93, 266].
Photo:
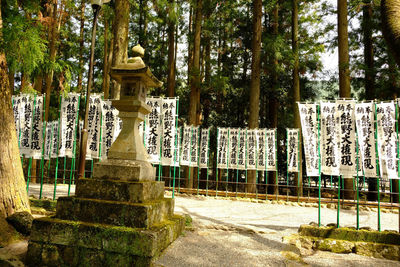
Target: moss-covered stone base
[56, 242]
[375, 244]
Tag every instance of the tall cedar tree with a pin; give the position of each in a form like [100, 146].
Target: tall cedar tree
[298, 179]
[13, 195]
[344, 72]
[255, 81]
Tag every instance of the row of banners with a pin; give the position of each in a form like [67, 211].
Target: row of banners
[337, 136]
[347, 134]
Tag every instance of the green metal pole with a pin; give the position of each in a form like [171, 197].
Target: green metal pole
[319, 167]
[338, 205]
[50, 150]
[287, 165]
[358, 193]
[298, 165]
[43, 145]
[237, 164]
[58, 146]
[266, 163]
[245, 164]
[198, 160]
[227, 164]
[208, 157]
[377, 170]
[398, 155]
[190, 154]
[72, 176]
[276, 163]
[65, 164]
[256, 166]
[176, 145]
[216, 171]
[30, 159]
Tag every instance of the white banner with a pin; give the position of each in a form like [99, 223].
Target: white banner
[48, 140]
[16, 101]
[204, 140]
[222, 148]
[347, 136]
[364, 114]
[251, 149]
[308, 116]
[168, 131]
[271, 149]
[55, 140]
[186, 145]
[194, 152]
[26, 125]
[94, 127]
[241, 160]
[69, 121]
[110, 121]
[153, 129]
[261, 149]
[330, 154]
[233, 147]
[37, 129]
[293, 150]
[385, 116]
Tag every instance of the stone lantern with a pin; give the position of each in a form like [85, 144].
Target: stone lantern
[128, 150]
[120, 217]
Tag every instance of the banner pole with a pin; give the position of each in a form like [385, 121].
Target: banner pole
[338, 205]
[378, 170]
[58, 147]
[245, 166]
[227, 164]
[256, 152]
[276, 164]
[298, 165]
[208, 156]
[190, 155]
[358, 193]
[237, 163]
[72, 175]
[50, 150]
[30, 159]
[398, 155]
[266, 164]
[216, 171]
[287, 165]
[319, 165]
[198, 160]
[176, 146]
[43, 145]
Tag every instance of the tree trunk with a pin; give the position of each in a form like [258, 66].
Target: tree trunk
[368, 50]
[120, 50]
[13, 196]
[38, 84]
[255, 83]
[106, 78]
[344, 73]
[273, 100]
[11, 79]
[171, 52]
[53, 51]
[81, 44]
[298, 177]
[390, 13]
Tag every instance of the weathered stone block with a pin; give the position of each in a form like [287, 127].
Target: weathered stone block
[125, 170]
[142, 215]
[336, 246]
[137, 192]
[112, 239]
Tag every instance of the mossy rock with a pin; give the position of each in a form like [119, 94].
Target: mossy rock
[335, 246]
[47, 204]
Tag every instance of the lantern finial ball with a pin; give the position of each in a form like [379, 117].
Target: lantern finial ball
[138, 51]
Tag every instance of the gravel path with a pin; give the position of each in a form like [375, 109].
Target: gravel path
[238, 233]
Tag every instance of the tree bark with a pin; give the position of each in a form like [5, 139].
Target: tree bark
[106, 78]
[298, 177]
[81, 44]
[390, 13]
[171, 52]
[368, 50]
[344, 73]
[273, 100]
[11, 79]
[52, 51]
[13, 196]
[255, 83]
[121, 29]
